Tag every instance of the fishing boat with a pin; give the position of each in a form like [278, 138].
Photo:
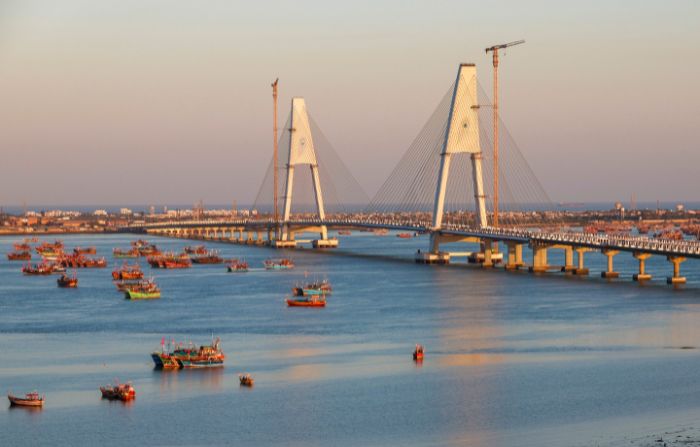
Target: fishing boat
[144, 284]
[67, 281]
[315, 288]
[85, 251]
[131, 253]
[405, 235]
[127, 272]
[169, 261]
[344, 232]
[205, 356]
[246, 380]
[29, 400]
[308, 301]
[22, 247]
[211, 257]
[237, 266]
[39, 269]
[196, 250]
[278, 264]
[135, 294]
[118, 391]
[19, 256]
[418, 353]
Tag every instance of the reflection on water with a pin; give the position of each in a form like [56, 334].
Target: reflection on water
[189, 380]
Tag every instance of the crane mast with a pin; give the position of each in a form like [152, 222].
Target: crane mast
[274, 151]
[494, 49]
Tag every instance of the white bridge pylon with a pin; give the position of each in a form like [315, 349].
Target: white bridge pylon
[301, 152]
[461, 137]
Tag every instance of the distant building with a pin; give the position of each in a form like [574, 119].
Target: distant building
[100, 212]
[125, 212]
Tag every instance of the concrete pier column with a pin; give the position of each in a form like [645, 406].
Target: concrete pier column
[259, 237]
[676, 278]
[581, 268]
[487, 247]
[249, 237]
[610, 272]
[568, 260]
[642, 275]
[239, 231]
[539, 259]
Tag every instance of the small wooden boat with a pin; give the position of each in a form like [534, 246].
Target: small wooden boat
[29, 400]
[211, 257]
[344, 232]
[278, 264]
[67, 281]
[246, 380]
[85, 250]
[118, 391]
[313, 301]
[127, 272]
[39, 269]
[19, 256]
[418, 353]
[22, 247]
[237, 266]
[313, 289]
[405, 235]
[196, 250]
[119, 253]
[142, 294]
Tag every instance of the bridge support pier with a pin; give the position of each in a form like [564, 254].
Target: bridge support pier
[487, 246]
[515, 256]
[568, 260]
[581, 269]
[610, 272]
[676, 278]
[642, 275]
[539, 259]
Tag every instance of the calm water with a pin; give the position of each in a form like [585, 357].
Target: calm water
[511, 359]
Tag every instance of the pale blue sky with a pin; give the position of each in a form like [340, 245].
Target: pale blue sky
[144, 101]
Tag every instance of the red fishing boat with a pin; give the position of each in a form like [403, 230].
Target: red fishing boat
[118, 391]
[237, 266]
[19, 256]
[85, 251]
[67, 281]
[127, 272]
[405, 235]
[309, 301]
[39, 269]
[196, 250]
[29, 400]
[418, 353]
[246, 380]
[211, 257]
[22, 247]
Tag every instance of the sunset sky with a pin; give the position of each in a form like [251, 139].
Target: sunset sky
[153, 102]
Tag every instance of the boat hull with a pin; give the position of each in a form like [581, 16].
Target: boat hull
[304, 303]
[134, 295]
[22, 402]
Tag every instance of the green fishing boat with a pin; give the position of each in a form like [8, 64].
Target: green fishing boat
[142, 294]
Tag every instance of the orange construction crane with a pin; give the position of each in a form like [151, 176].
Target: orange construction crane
[274, 152]
[494, 49]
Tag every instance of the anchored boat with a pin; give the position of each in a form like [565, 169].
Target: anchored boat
[278, 264]
[205, 356]
[118, 391]
[246, 380]
[315, 288]
[237, 266]
[309, 301]
[418, 353]
[29, 400]
[67, 281]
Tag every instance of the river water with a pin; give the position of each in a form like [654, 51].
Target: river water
[512, 359]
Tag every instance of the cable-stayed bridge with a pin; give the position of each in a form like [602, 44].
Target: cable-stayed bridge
[440, 188]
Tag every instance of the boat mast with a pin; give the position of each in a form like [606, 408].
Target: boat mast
[274, 153]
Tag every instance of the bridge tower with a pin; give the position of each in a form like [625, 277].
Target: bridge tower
[301, 153]
[461, 137]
